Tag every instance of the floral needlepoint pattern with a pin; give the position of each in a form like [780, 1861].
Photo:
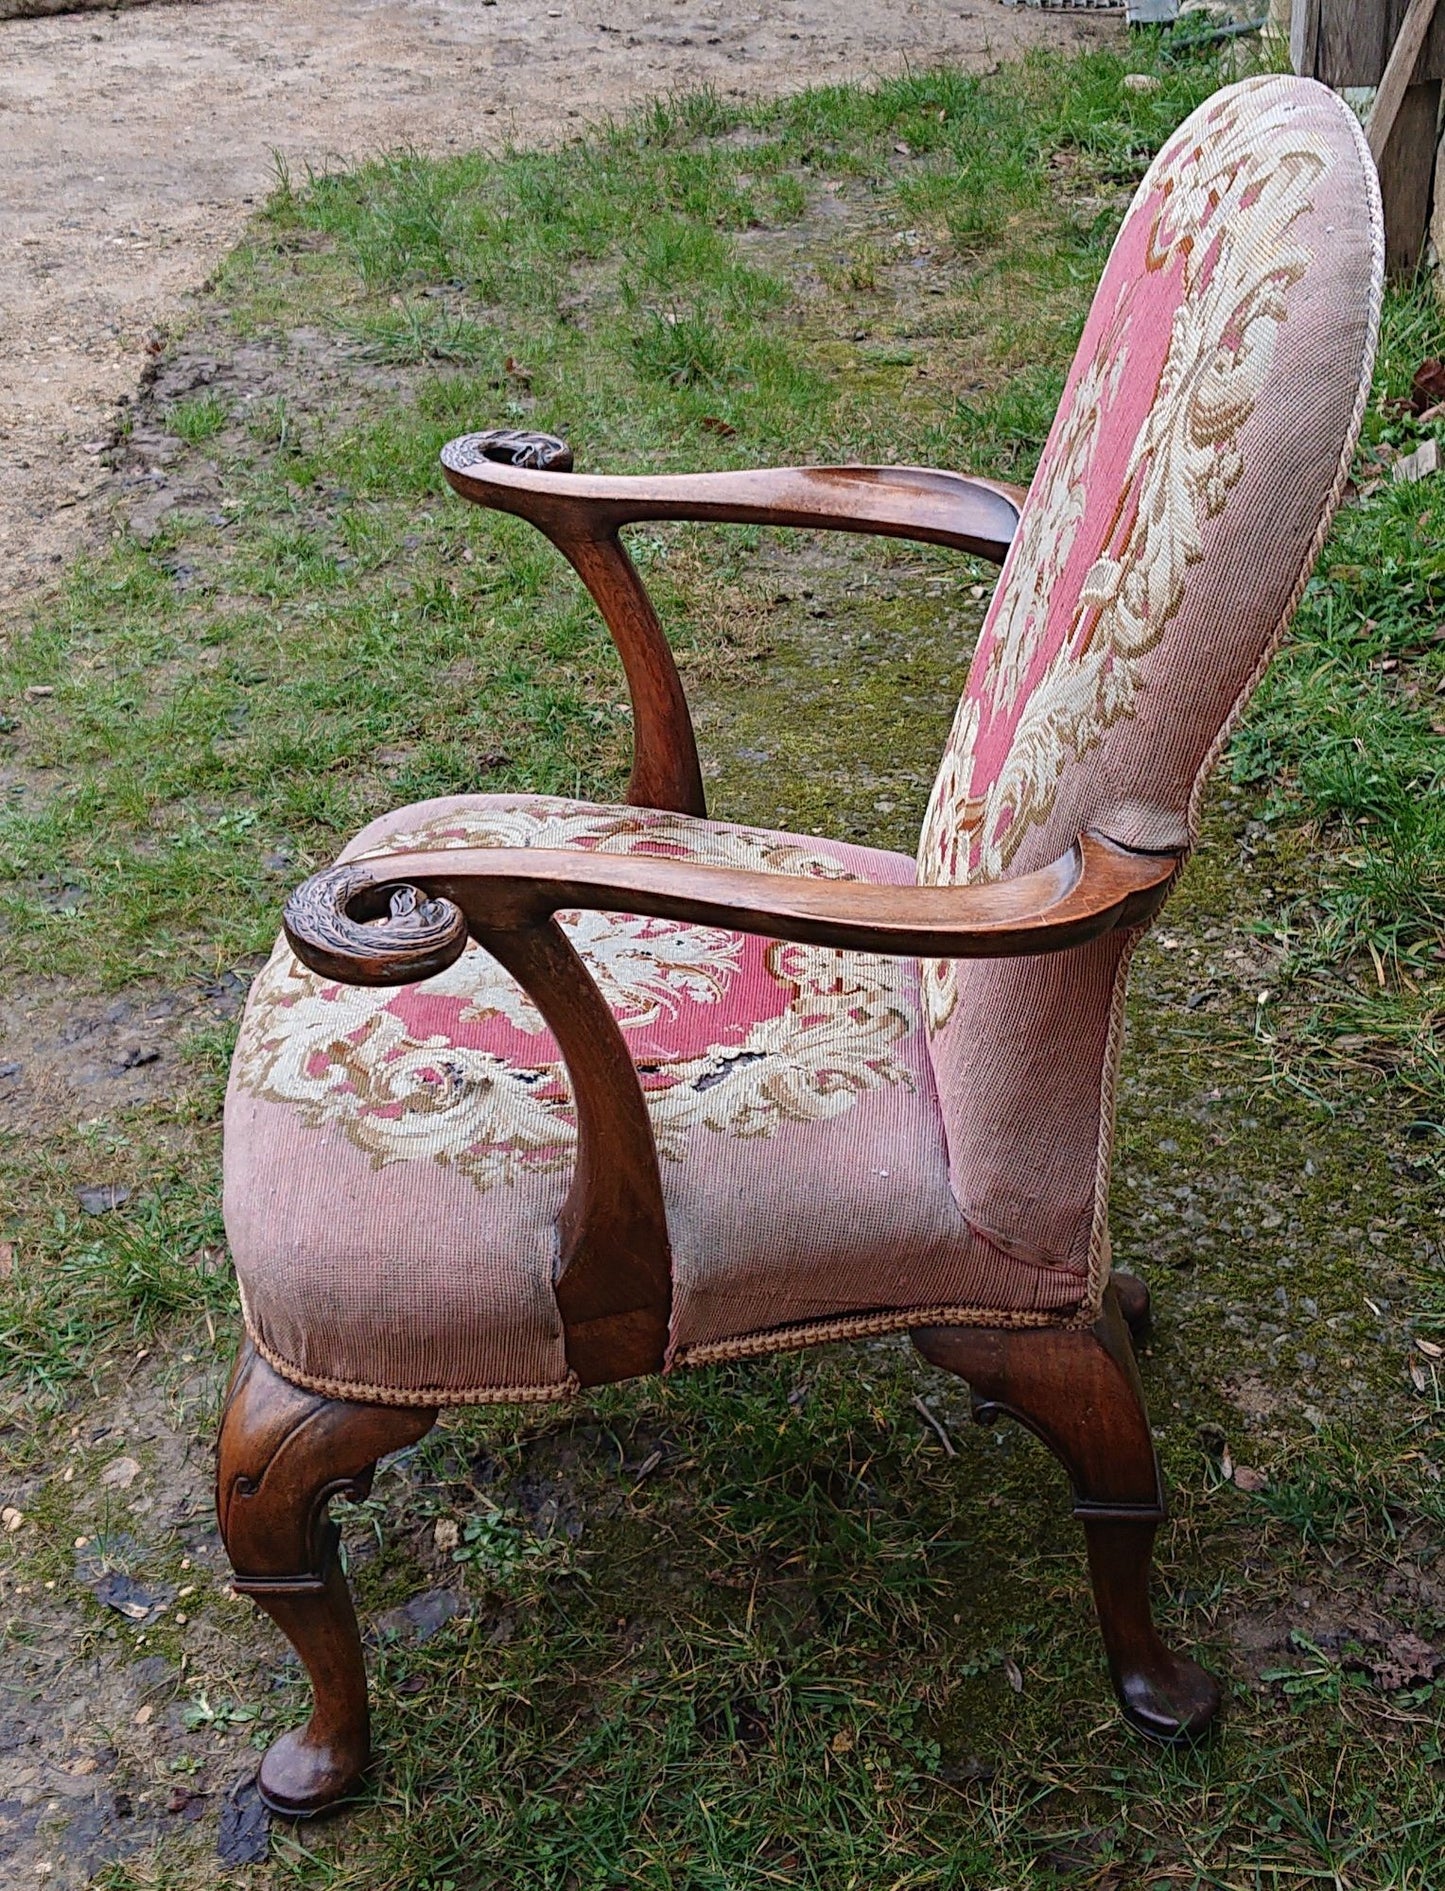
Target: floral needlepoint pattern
[1144, 453]
[397, 1160]
[732, 1034]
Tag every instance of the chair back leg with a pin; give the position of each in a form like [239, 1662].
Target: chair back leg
[1078, 1390]
[284, 1454]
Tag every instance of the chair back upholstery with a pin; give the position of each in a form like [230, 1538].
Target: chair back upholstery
[1202, 443]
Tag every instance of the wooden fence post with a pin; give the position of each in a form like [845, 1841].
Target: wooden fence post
[1350, 42]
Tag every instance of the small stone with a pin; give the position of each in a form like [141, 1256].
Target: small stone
[1141, 82]
[142, 1715]
[11, 1517]
[102, 1197]
[245, 1835]
[120, 1473]
[446, 1535]
[130, 1598]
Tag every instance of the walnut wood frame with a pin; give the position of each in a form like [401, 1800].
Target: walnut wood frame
[395, 918]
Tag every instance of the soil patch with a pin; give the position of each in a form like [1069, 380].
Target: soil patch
[133, 145]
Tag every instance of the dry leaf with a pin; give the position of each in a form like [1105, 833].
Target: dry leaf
[1417, 1376]
[1405, 1661]
[7, 1259]
[446, 1535]
[714, 423]
[143, 1714]
[1418, 465]
[1428, 387]
[842, 1742]
[1430, 1349]
[1226, 1466]
[1247, 1479]
[1013, 1674]
[120, 1473]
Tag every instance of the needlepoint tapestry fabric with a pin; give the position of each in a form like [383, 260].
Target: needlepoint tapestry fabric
[1201, 444]
[396, 1158]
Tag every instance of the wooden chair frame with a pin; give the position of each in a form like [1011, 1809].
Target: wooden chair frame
[285, 1452]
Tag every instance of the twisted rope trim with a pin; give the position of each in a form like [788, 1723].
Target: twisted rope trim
[356, 1393]
[782, 1339]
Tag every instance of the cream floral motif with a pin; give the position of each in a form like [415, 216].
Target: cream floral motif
[343, 1055]
[1222, 208]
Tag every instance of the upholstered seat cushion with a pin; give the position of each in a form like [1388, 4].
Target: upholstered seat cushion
[396, 1158]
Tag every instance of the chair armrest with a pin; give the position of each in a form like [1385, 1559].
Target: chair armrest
[430, 903]
[529, 474]
[614, 1280]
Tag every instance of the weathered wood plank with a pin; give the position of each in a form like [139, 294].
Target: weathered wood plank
[1407, 167]
[1348, 42]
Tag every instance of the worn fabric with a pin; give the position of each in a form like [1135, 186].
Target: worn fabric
[847, 1143]
[396, 1158]
[1200, 447]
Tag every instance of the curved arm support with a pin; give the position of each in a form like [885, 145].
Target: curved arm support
[529, 474]
[614, 1271]
[614, 1267]
[666, 772]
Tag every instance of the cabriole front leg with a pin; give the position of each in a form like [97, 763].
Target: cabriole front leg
[1079, 1392]
[284, 1454]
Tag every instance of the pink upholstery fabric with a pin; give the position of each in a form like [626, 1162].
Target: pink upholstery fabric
[1199, 450]
[395, 1159]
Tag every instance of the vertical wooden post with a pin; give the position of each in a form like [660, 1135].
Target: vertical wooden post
[1357, 43]
[1407, 168]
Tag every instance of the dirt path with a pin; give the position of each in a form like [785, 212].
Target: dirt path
[132, 146]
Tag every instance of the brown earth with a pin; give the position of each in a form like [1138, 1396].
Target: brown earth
[133, 145]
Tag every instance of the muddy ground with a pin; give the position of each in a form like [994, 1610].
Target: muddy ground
[133, 145]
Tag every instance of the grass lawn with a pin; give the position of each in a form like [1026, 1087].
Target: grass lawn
[751, 1626]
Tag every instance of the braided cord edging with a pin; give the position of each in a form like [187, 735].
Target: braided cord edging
[1100, 1260]
[359, 1394]
[747, 1346]
[782, 1339]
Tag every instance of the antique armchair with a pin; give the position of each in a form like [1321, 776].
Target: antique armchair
[536, 1094]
